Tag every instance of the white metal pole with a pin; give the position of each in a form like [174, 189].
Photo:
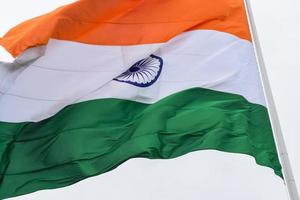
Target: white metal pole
[281, 147]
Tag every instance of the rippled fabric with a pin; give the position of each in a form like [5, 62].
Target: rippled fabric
[71, 72]
[94, 137]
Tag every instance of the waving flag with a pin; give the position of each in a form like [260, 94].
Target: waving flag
[96, 83]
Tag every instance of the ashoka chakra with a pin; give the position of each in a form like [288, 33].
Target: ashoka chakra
[143, 73]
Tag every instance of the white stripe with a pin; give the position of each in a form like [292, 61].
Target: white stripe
[71, 72]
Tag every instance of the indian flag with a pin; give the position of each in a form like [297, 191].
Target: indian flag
[96, 83]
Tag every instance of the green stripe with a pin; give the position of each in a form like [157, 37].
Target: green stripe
[93, 137]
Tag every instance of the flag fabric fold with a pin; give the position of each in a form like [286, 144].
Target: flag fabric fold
[96, 83]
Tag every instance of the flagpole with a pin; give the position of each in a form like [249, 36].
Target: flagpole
[279, 139]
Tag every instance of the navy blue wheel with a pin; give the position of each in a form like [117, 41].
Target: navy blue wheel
[143, 73]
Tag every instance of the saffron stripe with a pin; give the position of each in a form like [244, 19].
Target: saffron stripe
[127, 22]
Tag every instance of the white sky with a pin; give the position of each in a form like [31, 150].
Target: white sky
[278, 27]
